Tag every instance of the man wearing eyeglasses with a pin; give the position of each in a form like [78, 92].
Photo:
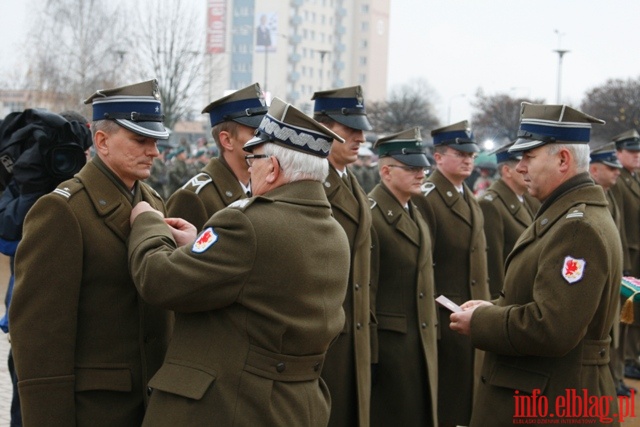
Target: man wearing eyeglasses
[404, 390]
[347, 370]
[257, 294]
[224, 179]
[460, 261]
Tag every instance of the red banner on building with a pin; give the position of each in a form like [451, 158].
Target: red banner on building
[216, 10]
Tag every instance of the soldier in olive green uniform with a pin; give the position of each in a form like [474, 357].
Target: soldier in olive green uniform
[85, 343]
[506, 215]
[178, 171]
[257, 295]
[460, 262]
[604, 168]
[158, 175]
[626, 192]
[347, 370]
[225, 179]
[404, 390]
[549, 334]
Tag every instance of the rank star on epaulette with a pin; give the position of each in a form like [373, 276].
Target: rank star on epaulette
[573, 269]
[204, 241]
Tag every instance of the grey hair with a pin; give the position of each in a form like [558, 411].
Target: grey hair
[580, 153]
[298, 166]
[106, 126]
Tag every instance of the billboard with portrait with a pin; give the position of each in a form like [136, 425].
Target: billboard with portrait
[266, 31]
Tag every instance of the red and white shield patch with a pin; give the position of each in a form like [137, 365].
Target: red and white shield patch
[204, 241]
[573, 269]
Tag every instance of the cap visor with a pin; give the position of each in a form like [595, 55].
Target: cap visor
[615, 164]
[354, 121]
[149, 129]
[525, 144]
[417, 160]
[251, 121]
[465, 148]
[254, 142]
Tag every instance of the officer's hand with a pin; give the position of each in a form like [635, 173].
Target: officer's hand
[461, 321]
[140, 208]
[183, 232]
[474, 303]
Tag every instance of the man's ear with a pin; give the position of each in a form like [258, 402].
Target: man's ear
[565, 158]
[225, 140]
[100, 142]
[275, 171]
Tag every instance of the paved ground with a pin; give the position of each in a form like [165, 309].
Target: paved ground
[5, 381]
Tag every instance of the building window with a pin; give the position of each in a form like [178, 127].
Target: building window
[364, 26]
[363, 60]
[362, 78]
[365, 8]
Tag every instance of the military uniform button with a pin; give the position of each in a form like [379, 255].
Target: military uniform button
[483, 379]
[357, 286]
[424, 325]
[316, 367]
[420, 295]
[280, 367]
[603, 352]
[473, 282]
[358, 325]
[149, 391]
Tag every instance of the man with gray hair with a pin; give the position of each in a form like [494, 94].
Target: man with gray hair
[257, 294]
[547, 336]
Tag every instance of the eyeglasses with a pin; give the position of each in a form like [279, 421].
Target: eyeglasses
[461, 155]
[411, 169]
[249, 158]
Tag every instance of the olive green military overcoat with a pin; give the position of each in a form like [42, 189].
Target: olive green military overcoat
[505, 218]
[177, 174]
[460, 271]
[206, 193]
[257, 299]
[405, 388]
[550, 331]
[347, 369]
[84, 343]
[626, 191]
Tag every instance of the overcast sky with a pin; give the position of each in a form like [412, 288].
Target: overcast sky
[458, 46]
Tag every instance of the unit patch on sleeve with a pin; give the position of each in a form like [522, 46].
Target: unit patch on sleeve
[573, 269]
[204, 241]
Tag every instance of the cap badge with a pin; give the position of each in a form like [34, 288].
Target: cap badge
[156, 90]
[389, 213]
[204, 241]
[573, 269]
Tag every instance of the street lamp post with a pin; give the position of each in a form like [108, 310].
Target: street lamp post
[322, 53]
[560, 53]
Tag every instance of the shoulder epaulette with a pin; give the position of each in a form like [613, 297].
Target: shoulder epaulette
[196, 183]
[576, 212]
[68, 188]
[372, 203]
[242, 204]
[427, 188]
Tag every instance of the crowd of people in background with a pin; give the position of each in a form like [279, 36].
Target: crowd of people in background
[302, 271]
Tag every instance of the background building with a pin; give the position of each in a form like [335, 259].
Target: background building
[296, 47]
